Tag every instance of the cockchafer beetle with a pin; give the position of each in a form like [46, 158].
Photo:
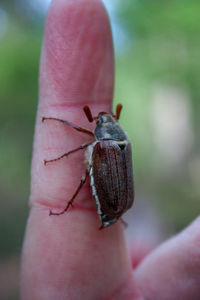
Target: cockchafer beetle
[108, 163]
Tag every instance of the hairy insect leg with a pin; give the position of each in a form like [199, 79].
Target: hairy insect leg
[83, 146]
[83, 180]
[70, 125]
[102, 226]
[124, 223]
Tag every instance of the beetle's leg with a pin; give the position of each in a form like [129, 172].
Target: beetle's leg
[70, 125]
[124, 223]
[83, 146]
[83, 180]
[102, 226]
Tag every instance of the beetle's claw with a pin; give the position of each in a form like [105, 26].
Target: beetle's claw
[101, 227]
[69, 204]
[124, 223]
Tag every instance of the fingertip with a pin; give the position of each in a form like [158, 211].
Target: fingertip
[77, 57]
[76, 69]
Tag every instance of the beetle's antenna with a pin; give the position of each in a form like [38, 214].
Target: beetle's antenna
[118, 110]
[88, 113]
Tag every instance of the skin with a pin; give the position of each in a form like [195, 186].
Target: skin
[67, 257]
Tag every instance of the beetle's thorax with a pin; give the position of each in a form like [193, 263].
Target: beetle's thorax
[108, 129]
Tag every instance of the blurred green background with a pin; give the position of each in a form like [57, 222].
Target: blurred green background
[157, 49]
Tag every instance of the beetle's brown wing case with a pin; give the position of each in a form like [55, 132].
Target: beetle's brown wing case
[113, 177]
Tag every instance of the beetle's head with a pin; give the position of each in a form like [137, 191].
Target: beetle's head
[107, 128]
[104, 118]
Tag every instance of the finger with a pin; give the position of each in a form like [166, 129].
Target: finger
[173, 270]
[76, 69]
[138, 250]
[66, 257]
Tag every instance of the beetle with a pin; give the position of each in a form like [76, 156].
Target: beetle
[108, 163]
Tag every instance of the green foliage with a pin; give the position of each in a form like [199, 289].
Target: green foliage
[165, 37]
[154, 17]
[165, 51]
[19, 60]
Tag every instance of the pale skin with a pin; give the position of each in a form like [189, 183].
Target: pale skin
[67, 257]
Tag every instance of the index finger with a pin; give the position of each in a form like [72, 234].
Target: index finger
[67, 257]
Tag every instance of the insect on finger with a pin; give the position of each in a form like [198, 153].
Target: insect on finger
[109, 164]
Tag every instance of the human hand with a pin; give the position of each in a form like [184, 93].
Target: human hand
[67, 257]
